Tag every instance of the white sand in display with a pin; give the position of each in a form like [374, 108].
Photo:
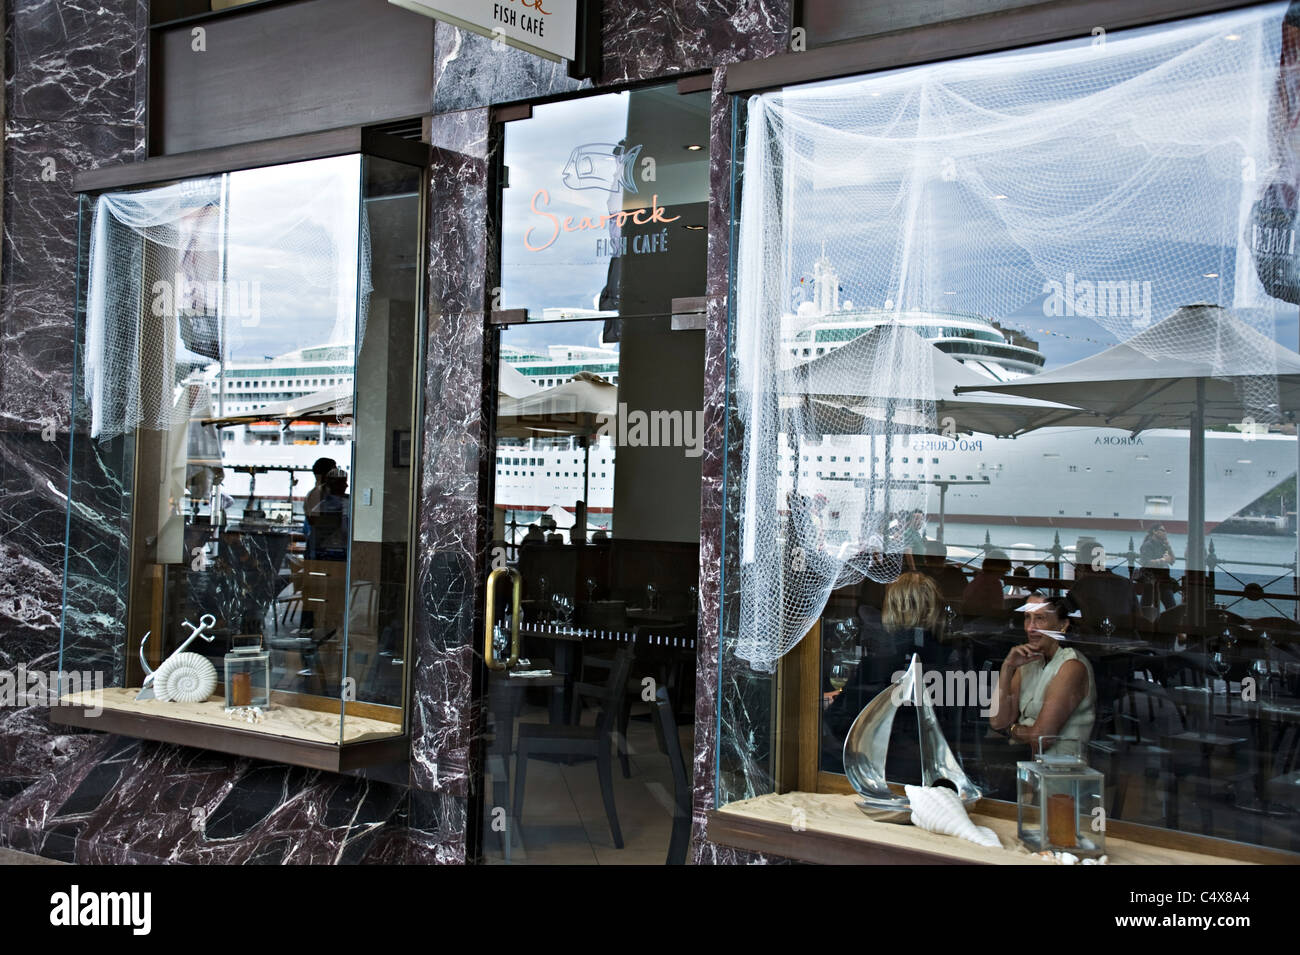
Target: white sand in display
[292, 722]
[838, 815]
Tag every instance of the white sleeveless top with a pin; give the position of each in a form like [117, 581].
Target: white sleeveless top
[1036, 677]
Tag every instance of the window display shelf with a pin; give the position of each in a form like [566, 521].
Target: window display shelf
[288, 733]
[228, 460]
[830, 829]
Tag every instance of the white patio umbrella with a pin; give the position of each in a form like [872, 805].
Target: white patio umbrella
[577, 408]
[329, 404]
[1200, 365]
[511, 383]
[838, 394]
[842, 377]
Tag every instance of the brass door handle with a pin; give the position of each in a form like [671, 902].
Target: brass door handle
[489, 626]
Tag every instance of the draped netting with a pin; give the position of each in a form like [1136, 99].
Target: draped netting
[193, 274]
[1097, 184]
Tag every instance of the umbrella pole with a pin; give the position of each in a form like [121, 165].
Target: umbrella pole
[891, 407]
[1195, 595]
[943, 493]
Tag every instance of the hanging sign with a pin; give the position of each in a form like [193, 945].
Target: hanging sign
[548, 28]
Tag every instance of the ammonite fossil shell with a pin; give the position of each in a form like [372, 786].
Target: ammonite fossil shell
[185, 678]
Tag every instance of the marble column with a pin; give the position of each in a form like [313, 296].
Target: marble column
[73, 100]
[454, 519]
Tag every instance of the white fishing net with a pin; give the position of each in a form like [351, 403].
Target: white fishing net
[186, 276]
[1108, 182]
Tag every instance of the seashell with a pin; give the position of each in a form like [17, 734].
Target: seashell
[940, 810]
[185, 678]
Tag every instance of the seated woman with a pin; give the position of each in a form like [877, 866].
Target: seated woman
[911, 622]
[1046, 689]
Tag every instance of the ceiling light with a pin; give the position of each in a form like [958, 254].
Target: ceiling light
[694, 147]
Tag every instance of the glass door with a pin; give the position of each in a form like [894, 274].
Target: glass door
[588, 639]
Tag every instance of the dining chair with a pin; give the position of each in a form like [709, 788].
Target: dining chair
[1125, 750]
[575, 739]
[680, 839]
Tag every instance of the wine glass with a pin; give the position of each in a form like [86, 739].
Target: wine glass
[591, 590]
[852, 627]
[563, 608]
[500, 643]
[1219, 663]
[840, 674]
[652, 597]
[1107, 626]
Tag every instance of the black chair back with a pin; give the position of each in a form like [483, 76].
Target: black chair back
[681, 784]
[611, 702]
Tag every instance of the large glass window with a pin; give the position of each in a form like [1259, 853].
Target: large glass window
[244, 419]
[1062, 282]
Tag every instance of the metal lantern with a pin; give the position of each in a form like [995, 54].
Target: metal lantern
[248, 675]
[1059, 805]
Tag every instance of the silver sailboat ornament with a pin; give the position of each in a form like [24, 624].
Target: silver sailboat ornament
[867, 745]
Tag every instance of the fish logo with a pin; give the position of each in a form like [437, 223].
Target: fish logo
[606, 166]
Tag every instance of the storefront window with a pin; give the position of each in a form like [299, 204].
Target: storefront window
[1041, 306]
[245, 407]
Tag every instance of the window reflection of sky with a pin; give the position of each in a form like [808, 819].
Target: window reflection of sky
[569, 274]
[294, 234]
[987, 246]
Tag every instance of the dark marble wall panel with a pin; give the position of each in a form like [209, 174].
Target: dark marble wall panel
[648, 38]
[75, 61]
[40, 261]
[731, 711]
[474, 71]
[73, 100]
[131, 801]
[451, 522]
[641, 39]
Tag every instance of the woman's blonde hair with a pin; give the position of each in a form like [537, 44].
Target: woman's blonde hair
[913, 600]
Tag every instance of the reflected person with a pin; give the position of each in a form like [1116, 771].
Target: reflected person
[311, 504]
[331, 524]
[1157, 558]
